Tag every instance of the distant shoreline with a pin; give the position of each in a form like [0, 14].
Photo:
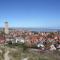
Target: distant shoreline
[33, 29]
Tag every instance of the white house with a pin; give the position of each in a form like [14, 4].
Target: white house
[20, 40]
[41, 45]
[52, 47]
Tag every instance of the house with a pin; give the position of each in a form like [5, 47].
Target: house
[52, 48]
[2, 39]
[20, 40]
[58, 47]
[41, 46]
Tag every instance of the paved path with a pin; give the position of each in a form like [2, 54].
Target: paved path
[6, 57]
[25, 59]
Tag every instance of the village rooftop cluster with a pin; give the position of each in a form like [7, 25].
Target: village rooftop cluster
[40, 40]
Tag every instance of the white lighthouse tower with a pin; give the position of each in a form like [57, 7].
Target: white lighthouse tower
[6, 28]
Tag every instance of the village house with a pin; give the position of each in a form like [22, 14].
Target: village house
[2, 39]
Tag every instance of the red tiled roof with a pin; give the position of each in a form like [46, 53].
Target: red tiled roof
[2, 39]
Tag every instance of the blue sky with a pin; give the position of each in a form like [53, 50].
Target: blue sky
[30, 13]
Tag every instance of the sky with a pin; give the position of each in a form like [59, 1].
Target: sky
[30, 13]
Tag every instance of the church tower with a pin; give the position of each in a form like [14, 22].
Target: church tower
[6, 28]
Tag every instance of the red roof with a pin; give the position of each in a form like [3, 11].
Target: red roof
[2, 39]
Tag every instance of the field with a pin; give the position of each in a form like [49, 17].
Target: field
[23, 53]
